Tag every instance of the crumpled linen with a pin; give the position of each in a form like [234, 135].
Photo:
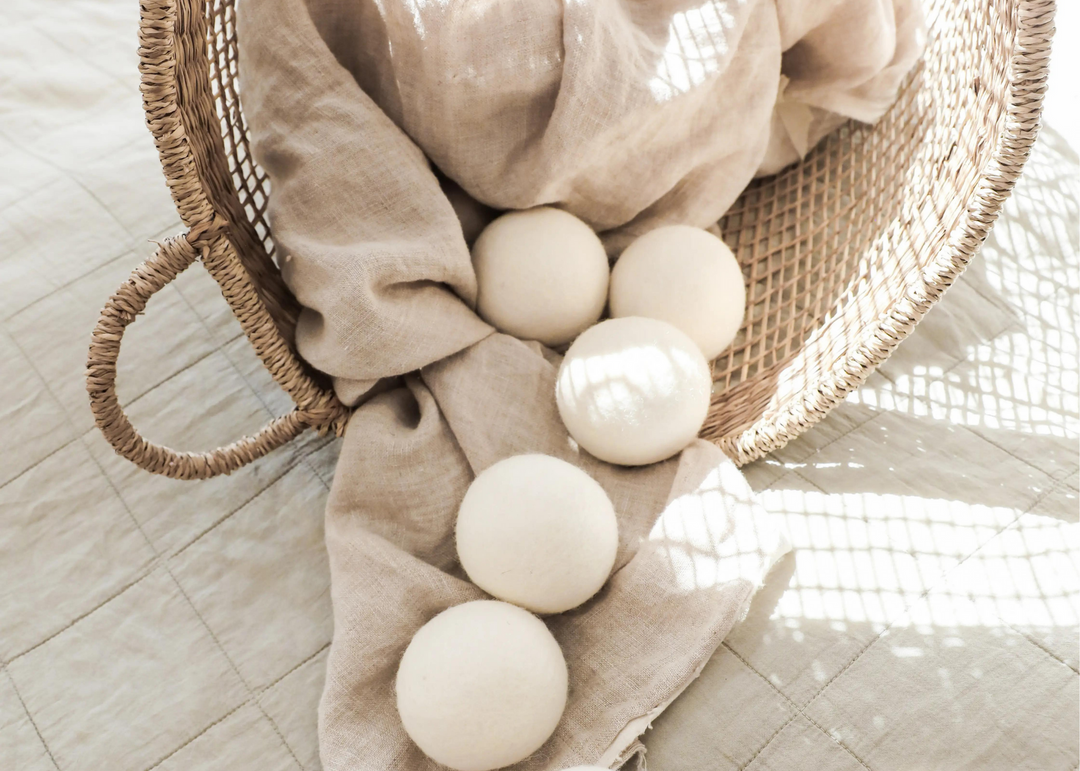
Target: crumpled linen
[843, 59]
[629, 115]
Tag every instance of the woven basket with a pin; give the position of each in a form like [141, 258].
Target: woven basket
[842, 254]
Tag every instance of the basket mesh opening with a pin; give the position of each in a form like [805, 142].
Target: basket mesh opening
[827, 247]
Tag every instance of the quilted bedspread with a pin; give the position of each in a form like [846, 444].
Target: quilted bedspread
[927, 618]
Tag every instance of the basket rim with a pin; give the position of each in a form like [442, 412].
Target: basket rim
[163, 38]
[1028, 68]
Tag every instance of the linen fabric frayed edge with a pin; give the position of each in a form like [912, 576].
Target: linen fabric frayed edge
[627, 747]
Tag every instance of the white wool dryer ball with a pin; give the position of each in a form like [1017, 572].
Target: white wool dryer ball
[481, 686]
[633, 391]
[541, 274]
[538, 532]
[685, 276]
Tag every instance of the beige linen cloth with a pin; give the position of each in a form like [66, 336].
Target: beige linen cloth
[628, 114]
[842, 59]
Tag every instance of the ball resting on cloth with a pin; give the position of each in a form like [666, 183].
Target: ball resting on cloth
[541, 274]
[685, 276]
[481, 686]
[633, 390]
[538, 532]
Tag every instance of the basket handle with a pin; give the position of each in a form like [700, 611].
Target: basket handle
[171, 258]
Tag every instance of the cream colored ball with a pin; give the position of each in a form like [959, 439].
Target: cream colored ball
[481, 686]
[538, 532]
[685, 276]
[541, 274]
[633, 390]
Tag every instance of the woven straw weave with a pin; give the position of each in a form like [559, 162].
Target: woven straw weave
[842, 254]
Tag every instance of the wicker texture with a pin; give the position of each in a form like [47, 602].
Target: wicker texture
[843, 254]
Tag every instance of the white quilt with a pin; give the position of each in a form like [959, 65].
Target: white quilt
[927, 619]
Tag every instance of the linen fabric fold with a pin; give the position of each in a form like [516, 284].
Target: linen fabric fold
[627, 114]
[843, 59]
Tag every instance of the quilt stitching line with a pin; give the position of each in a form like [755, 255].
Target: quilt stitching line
[232, 665]
[1043, 648]
[798, 712]
[1015, 324]
[300, 460]
[226, 517]
[769, 741]
[255, 694]
[26, 710]
[162, 560]
[288, 672]
[304, 457]
[1058, 485]
[52, 636]
[162, 382]
[310, 465]
[837, 741]
[23, 195]
[1065, 478]
[198, 615]
[24, 472]
[922, 596]
[44, 32]
[1014, 321]
[218, 721]
[210, 332]
[1018, 314]
[1011, 454]
[795, 465]
[870, 644]
[810, 482]
[202, 321]
[67, 174]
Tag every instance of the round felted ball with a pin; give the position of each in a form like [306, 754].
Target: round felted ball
[481, 686]
[541, 274]
[633, 390]
[685, 276]
[538, 532]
